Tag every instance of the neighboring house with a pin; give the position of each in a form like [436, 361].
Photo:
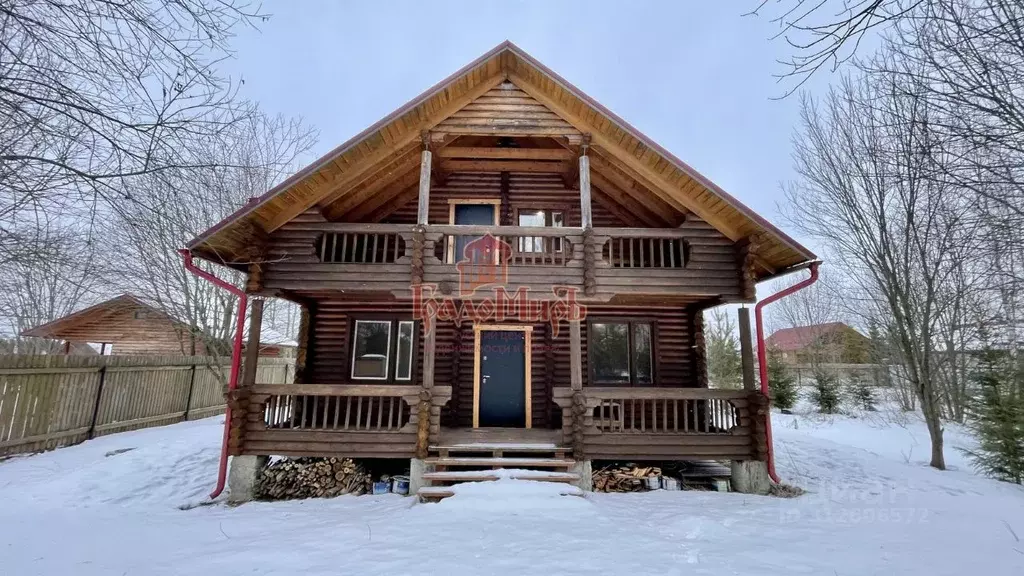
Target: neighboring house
[501, 260]
[126, 325]
[831, 343]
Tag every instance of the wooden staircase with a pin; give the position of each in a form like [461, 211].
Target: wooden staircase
[489, 462]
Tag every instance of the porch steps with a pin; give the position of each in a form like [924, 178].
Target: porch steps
[500, 449]
[496, 463]
[437, 493]
[485, 476]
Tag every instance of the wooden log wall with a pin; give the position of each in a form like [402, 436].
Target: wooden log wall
[329, 354]
[525, 190]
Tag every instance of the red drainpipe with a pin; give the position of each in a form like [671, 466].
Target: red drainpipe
[236, 360]
[762, 355]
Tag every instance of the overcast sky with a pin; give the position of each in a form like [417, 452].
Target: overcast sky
[697, 77]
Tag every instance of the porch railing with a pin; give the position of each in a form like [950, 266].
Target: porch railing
[356, 420]
[661, 423]
[346, 408]
[665, 411]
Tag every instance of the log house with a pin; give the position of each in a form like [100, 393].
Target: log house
[503, 181]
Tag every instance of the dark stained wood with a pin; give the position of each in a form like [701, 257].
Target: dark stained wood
[252, 351]
[746, 349]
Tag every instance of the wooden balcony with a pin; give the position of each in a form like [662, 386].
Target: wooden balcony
[599, 262]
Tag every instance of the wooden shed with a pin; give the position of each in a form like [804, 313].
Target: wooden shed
[126, 325]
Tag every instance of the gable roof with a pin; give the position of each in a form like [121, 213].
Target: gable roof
[386, 146]
[800, 337]
[95, 315]
[92, 315]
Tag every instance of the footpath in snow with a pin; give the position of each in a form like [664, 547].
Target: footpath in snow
[129, 504]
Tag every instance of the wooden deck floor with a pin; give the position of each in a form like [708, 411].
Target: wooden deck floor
[456, 436]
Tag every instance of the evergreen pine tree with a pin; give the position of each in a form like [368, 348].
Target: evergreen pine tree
[825, 393]
[996, 418]
[861, 393]
[781, 384]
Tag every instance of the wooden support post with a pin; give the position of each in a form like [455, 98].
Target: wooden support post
[426, 413]
[586, 218]
[423, 212]
[302, 351]
[252, 349]
[578, 412]
[575, 356]
[700, 353]
[746, 349]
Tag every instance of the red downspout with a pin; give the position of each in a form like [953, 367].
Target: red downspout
[762, 355]
[236, 360]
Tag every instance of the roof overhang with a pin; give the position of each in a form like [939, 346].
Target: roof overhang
[614, 141]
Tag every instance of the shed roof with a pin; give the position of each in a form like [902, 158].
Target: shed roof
[380, 147]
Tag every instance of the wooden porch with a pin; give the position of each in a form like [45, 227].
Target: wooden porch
[389, 421]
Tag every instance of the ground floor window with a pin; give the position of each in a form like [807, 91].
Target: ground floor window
[383, 350]
[620, 352]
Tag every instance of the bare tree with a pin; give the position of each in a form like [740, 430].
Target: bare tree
[60, 278]
[827, 33]
[250, 158]
[95, 93]
[867, 157]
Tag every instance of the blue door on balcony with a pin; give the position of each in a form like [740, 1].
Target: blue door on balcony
[502, 388]
[470, 215]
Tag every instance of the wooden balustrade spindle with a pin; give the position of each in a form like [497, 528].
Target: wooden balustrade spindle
[348, 411]
[380, 412]
[344, 248]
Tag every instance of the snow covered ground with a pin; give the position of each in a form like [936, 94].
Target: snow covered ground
[874, 507]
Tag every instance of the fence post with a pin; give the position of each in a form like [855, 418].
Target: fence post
[99, 398]
[191, 386]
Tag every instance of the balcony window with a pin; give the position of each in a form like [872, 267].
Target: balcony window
[541, 219]
[620, 353]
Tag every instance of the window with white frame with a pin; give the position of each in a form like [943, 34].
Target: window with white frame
[541, 219]
[383, 350]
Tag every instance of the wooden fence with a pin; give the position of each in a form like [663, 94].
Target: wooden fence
[54, 400]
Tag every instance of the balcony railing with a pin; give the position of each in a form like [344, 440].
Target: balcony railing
[602, 262]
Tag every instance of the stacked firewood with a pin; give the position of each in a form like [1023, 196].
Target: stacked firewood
[627, 478]
[312, 478]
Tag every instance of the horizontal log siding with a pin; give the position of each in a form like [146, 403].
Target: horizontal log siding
[525, 191]
[329, 353]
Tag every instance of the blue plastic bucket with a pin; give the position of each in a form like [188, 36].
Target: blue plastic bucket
[400, 485]
[381, 487]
